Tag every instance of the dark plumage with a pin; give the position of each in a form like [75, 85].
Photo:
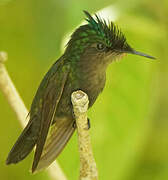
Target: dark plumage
[90, 50]
[111, 35]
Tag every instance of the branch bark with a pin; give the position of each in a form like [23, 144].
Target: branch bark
[16, 103]
[88, 170]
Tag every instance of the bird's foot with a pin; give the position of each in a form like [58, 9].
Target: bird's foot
[74, 124]
[88, 124]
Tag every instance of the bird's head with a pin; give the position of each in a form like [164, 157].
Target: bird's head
[99, 40]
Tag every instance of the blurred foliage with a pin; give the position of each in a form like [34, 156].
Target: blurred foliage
[129, 124]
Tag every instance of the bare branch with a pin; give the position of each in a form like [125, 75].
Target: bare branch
[15, 101]
[88, 170]
[10, 92]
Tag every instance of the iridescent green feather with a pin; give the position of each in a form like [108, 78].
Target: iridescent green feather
[96, 31]
[109, 32]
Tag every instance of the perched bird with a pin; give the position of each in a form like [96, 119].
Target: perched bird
[91, 48]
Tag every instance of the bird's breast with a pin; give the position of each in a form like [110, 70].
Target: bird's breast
[92, 83]
[90, 80]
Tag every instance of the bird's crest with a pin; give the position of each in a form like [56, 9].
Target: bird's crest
[111, 34]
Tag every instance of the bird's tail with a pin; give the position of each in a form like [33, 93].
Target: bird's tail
[24, 144]
[60, 133]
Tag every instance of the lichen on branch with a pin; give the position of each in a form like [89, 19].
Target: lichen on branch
[88, 170]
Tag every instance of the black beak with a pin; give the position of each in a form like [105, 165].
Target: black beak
[132, 51]
[141, 54]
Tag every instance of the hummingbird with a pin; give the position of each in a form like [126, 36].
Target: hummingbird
[91, 49]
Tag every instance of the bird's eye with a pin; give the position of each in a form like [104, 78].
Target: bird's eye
[101, 46]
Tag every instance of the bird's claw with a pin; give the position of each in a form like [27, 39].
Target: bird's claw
[74, 124]
[88, 124]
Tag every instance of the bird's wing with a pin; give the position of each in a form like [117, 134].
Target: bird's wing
[60, 133]
[49, 103]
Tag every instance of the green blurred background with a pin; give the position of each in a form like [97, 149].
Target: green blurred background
[129, 122]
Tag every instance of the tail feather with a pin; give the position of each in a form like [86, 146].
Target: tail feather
[60, 133]
[23, 145]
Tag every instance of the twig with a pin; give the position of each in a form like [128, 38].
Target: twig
[10, 92]
[15, 101]
[88, 170]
